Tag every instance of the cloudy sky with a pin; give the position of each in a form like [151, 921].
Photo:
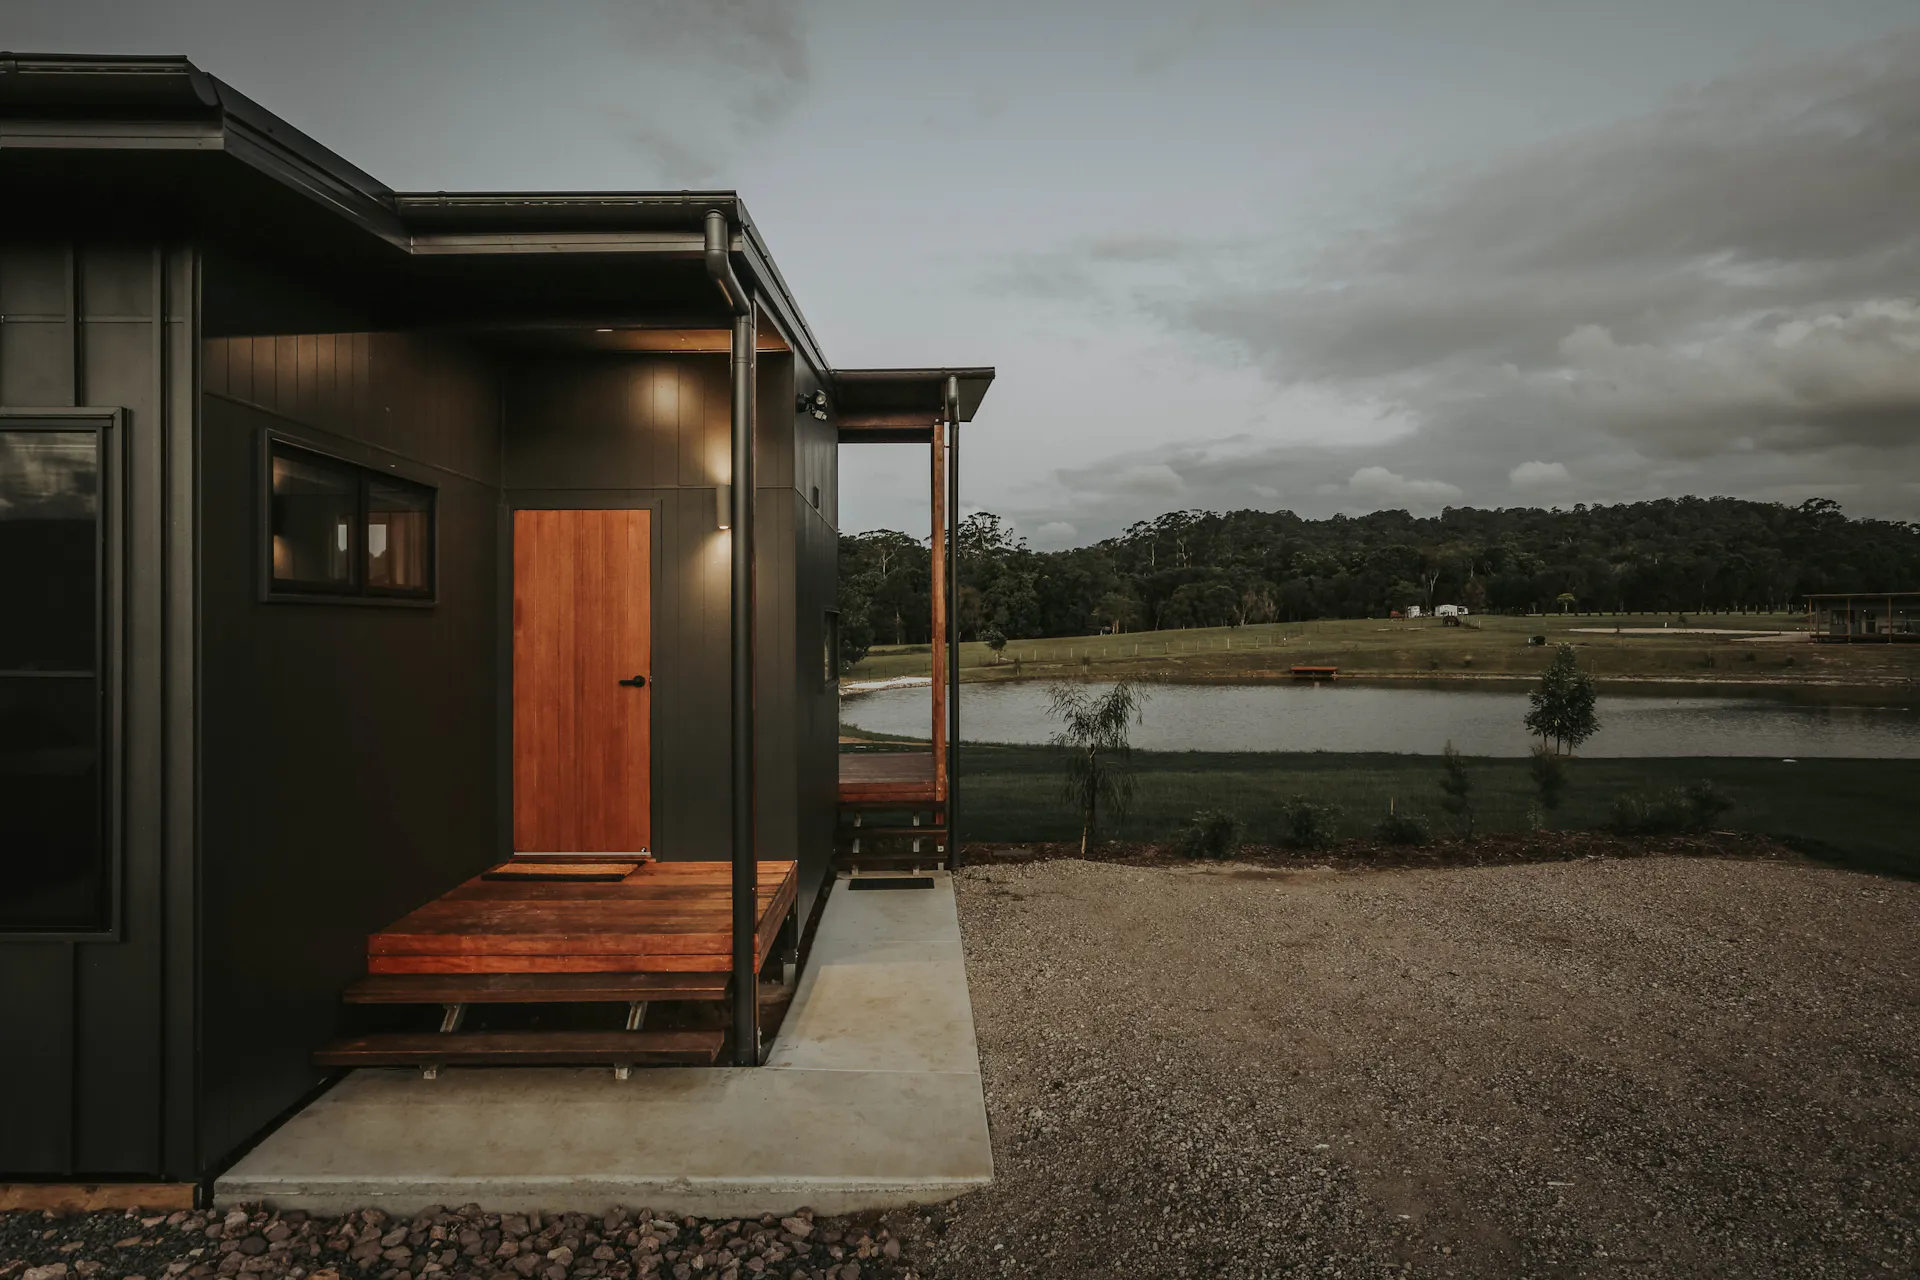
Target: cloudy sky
[1329, 257]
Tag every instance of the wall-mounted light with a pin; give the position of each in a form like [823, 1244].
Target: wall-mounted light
[603, 331]
[723, 506]
[815, 404]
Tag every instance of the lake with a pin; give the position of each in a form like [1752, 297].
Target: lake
[1421, 719]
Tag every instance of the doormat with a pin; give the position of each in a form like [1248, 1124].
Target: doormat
[890, 882]
[574, 872]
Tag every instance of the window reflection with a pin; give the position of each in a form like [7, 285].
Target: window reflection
[313, 508]
[49, 549]
[399, 534]
[52, 856]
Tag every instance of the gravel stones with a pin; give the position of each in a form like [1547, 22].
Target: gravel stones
[463, 1244]
[1665, 1067]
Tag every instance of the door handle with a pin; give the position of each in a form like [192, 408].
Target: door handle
[638, 682]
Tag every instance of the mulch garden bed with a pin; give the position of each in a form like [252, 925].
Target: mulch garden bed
[1506, 848]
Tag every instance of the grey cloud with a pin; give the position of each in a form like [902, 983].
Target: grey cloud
[1775, 190]
[1199, 22]
[711, 77]
[1721, 297]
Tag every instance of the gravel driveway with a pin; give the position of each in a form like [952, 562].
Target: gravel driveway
[1662, 1067]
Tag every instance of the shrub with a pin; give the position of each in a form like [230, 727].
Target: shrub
[1548, 769]
[1401, 828]
[1693, 807]
[1307, 825]
[1210, 833]
[1456, 786]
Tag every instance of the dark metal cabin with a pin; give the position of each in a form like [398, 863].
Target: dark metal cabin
[267, 430]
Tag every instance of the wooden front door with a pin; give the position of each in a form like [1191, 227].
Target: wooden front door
[582, 672]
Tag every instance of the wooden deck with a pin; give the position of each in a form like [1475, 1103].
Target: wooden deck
[883, 777]
[666, 917]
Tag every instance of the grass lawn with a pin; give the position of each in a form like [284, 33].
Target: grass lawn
[1496, 646]
[1859, 811]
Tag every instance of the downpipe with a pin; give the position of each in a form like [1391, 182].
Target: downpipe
[952, 409]
[745, 849]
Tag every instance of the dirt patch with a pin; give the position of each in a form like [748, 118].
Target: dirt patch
[1650, 1066]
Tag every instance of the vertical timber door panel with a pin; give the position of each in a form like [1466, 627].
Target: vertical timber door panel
[582, 624]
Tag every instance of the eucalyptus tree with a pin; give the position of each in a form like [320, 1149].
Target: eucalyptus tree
[1095, 736]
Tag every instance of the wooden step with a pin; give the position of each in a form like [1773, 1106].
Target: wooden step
[891, 804]
[525, 1048]
[889, 833]
[869, 862]
[534, 988]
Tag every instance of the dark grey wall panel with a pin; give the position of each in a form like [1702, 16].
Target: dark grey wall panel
[816, 452]
[816, 722]
[122, 364]
[414, 396]
[113, 326]
[774, 693]
[617, 422]
[347, 757]
[773, 427]
[652, 429]
[647, 430]
[36, 1071]
[180, 887]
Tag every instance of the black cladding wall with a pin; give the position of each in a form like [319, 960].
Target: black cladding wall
[346, 751]
[97, 1071]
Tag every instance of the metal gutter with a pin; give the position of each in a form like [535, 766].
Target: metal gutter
[683, 244]
[104, 81]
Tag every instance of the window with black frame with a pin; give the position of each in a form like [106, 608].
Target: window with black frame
[336, 529]
[53, 854]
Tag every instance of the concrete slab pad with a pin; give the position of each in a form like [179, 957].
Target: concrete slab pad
[871, 1098]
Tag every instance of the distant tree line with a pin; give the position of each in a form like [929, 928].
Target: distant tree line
[1205, 569]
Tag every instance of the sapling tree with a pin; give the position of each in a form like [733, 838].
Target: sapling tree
[996, 640]
[1456, 786]
[1549, 773]
[1561, 710]
[1096, 736]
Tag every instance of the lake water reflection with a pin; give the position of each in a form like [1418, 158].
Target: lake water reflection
[1421, 720]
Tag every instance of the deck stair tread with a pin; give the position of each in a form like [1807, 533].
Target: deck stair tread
[667, 917]
[865, 862]
[878, 777]
[519, 1048]
[534, 988]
